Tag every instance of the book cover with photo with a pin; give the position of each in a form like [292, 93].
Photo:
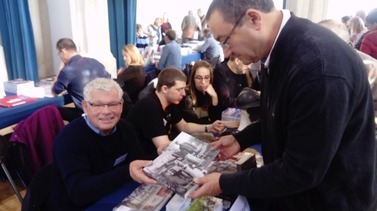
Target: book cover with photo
[185, 158]
[145, 197]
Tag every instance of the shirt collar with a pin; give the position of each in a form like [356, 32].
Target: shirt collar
[96, 130]
[286, 16]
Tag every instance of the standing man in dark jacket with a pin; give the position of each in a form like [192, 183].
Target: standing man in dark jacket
[317, 121]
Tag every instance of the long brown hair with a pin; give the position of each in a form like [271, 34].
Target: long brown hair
[192, 87]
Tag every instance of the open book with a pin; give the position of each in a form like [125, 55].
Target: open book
[184, 159]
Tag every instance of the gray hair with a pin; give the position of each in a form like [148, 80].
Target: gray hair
[101, 84]
[232, 10]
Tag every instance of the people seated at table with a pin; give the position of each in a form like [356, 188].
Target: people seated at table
[199, 104]
[75, 72]
[211, 49]
[93, 152]
[155, 115]
[171, 52]
[132, 77]
[230, 77]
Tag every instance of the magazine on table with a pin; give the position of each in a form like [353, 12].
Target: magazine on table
[185, 158]
[145, 197]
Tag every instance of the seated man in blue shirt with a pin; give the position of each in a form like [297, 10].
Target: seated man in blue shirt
[171, 53]
[74, 75]
[211, 48]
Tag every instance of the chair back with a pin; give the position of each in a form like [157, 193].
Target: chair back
[32, 141]
[38, 190]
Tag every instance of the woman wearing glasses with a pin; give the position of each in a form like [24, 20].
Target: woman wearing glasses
[201, 99]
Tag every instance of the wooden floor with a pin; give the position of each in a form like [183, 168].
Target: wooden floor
[8, 199]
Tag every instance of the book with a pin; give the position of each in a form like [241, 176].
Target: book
[238, 162]
[17, 85]
[185, 158]
[145, 197]
[230, 114]
[209, 203]
[15, 100]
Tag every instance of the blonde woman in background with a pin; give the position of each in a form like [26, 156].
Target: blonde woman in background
[132, 77]
[357, 29]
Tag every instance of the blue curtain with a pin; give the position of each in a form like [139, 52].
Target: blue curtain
[122, 24]
[18, 40]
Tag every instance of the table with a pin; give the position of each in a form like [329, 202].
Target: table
[186, 59]
[10, 116]
[110, 201]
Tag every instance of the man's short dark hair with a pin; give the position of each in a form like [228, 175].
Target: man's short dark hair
[207, 32]
[169, 76]
[171, 34]
[66, 43]
[232, 10]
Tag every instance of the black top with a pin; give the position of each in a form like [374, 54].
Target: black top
[317, 127]
[85, 165]
[132, 81]
[150, 120]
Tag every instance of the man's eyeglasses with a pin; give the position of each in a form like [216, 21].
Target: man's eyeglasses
[200, 78]
[101, 106]
[224, 44]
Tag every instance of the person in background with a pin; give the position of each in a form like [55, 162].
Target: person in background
[171, 53]
[199, 104]
[345, 20]
[317, 127]
[164, 27]
[188, 27]
[92, 153]
[369, 40]
[202, 19]
[369, 62]
[230, 77]
[132, 78]
[154, 116]
[76, 71]
[357, 29]
[141, 39]
[370, 24]
[154, 32]
[211, 49]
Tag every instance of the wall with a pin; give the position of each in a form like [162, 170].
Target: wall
[86, 23]
[59, 14]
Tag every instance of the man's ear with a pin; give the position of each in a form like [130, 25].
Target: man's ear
[84, 106]
[164, 88]
[253, 18]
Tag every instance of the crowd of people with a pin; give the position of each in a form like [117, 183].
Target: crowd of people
[362, 29]
[315, 121]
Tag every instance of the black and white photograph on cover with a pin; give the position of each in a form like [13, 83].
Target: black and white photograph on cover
[146, 197]
[185, 158]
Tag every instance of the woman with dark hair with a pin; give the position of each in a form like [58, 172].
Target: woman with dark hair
[201, 99]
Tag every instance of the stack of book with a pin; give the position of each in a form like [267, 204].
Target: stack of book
[15, 100]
